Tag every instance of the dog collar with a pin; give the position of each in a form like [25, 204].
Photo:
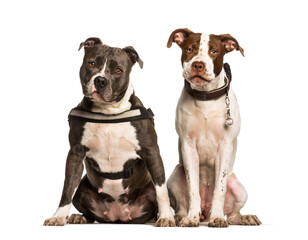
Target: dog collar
[134, 114]
[214, 94]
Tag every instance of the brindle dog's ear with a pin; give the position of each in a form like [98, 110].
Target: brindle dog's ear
[178, 36]
[230, 43]
[133, 55]
[90, 43]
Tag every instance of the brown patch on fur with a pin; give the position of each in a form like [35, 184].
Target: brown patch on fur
[218, 57]
[185, 39]
[174, 36]
[230, 43]
[193, 43]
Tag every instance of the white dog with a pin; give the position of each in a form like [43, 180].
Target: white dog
[203, 185]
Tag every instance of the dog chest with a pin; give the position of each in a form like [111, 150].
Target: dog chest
[111, 145]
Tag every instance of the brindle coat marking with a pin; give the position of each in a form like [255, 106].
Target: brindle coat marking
[137, 199]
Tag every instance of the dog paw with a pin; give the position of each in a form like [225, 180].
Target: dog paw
[177, 219]
[77, 219]
[218, 223]
[55, 221]
[189, 222]
[249, 220]
[165, 222]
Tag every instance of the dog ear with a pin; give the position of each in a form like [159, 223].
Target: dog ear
[230, 43]
[133, 55]
[90, 43]
[178, 36]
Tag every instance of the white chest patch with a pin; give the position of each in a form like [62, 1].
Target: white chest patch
[111, 145]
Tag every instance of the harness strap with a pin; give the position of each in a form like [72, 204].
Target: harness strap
[137, 113]
[126, 173]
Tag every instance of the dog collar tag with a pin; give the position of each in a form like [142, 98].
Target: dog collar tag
[229, 120]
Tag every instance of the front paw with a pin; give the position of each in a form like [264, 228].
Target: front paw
[165, 222]
[55, 221]
[189, 222]
[218, 223]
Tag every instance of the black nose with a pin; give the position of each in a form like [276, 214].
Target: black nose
[100, 82]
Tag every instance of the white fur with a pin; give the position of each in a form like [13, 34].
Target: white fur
[205, 141]
[163, 201]
[62, 211]
[111, 145]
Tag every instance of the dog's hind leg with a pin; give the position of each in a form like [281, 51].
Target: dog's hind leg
[236, 198]
[81, 202]
[178, 193]
[79, 219]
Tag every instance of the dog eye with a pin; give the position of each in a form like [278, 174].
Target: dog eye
[118, 70]
[189, 50]
[91, 64]
[214, 51]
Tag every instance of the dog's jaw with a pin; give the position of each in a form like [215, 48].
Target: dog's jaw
[123, 105]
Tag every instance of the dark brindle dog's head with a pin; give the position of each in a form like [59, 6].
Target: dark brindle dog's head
[104, 73]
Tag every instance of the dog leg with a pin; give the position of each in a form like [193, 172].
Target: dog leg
[222, 166]
[177, 188]
[191, 165]
[236, 198]
[73, 173]
[156, 169]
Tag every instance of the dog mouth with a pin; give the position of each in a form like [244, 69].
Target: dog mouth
[102, 95]
[199, 79]
[95, 93]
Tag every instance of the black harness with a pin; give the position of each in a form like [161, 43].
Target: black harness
[126, 173]
[135, 114]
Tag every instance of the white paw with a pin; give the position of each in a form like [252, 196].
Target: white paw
[55, 221]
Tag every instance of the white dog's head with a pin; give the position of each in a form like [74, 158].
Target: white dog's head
[202, 54]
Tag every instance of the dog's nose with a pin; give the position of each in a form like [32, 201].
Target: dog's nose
[198, 66]
[100, 82]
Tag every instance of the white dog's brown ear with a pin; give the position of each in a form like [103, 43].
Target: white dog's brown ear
[230, 43]
[178, 36]
[90, 43]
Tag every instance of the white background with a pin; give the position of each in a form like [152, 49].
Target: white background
[40, 84]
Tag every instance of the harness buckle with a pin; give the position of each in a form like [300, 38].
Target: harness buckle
[128, 172]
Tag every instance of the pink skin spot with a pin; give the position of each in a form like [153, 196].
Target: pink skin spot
[106, 212]
[93, 89]
[100, 190]
[126, 190]
[128, 213]
[94, 92]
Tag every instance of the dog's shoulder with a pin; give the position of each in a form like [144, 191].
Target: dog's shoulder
[145, 130]
[77, 126]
